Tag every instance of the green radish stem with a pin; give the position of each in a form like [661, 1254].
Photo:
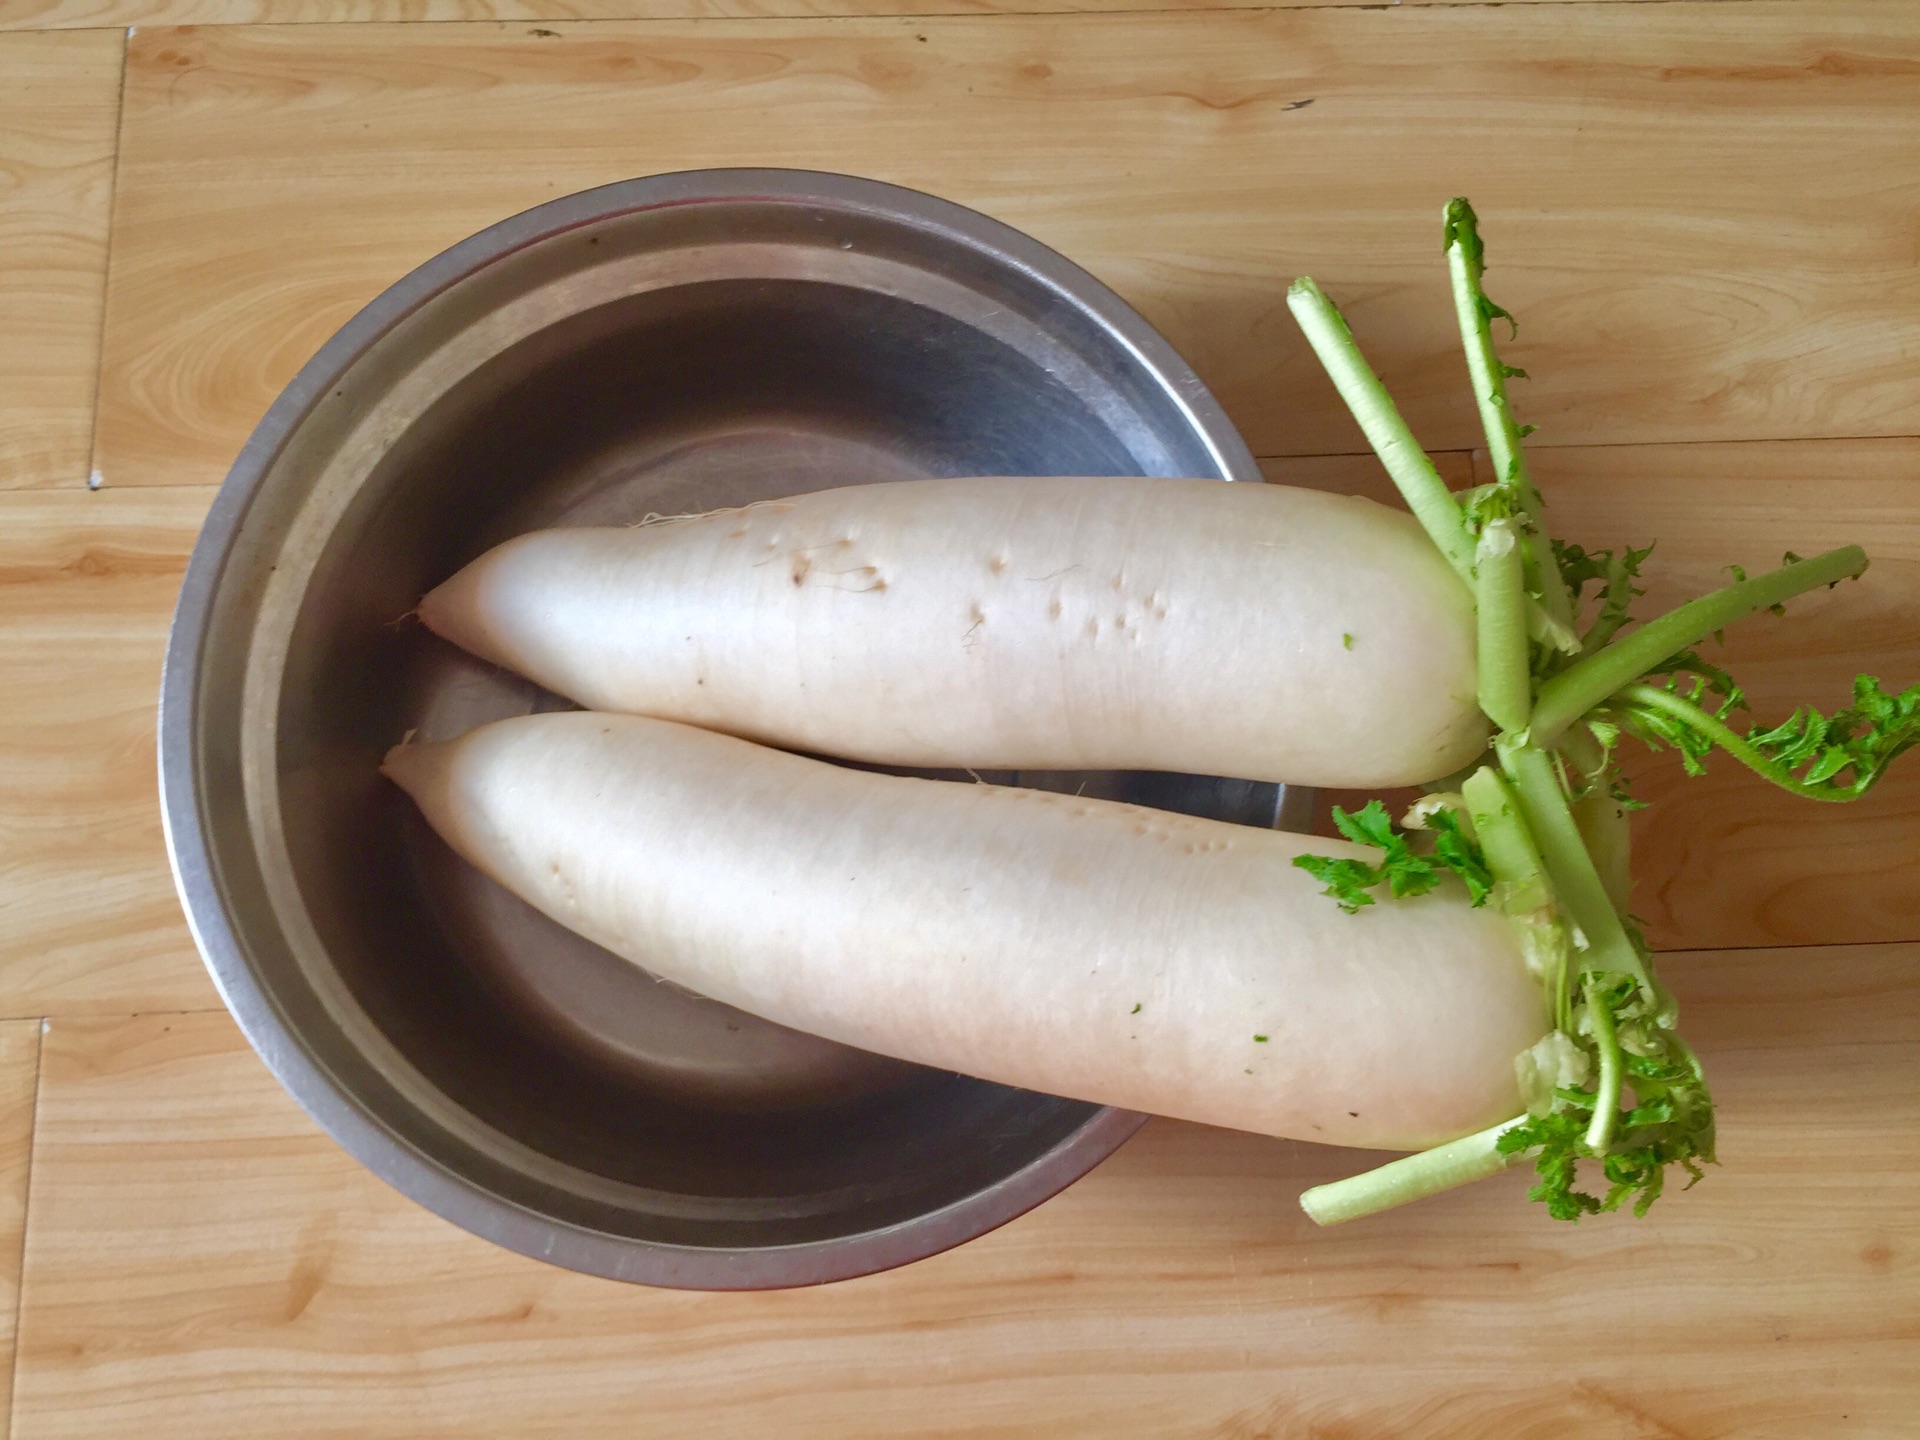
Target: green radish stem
[1466, 260]
[1426, 493]
[1414, 1177]
[1541, 577]
[1505, 684]
[1573, 692]
[1606, 948]
[1505, 840]
[1602, 821]
[1523, 890]
[1606, 1044]
[1581, 750]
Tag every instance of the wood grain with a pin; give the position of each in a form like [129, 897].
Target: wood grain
[203, 1263]
[19, 1072]
[59, 104]
[1361, 474]
[48, 14]
[1689, 204]
[86, 592]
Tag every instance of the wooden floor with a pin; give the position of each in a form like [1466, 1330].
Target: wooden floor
[1706, 215]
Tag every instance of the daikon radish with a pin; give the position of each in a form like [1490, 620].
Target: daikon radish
[1080, 947]
[1232, 629]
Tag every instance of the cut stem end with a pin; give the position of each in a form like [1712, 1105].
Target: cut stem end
[1413, 1177]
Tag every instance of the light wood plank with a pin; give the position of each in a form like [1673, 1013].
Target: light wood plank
[19, 1073]
[59, 104]
[86, 592]
[1726, 859]
[49, 14]
[1688, 203]
[1361, 474]
[203, 1263]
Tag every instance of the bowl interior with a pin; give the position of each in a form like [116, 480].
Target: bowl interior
[645, 363]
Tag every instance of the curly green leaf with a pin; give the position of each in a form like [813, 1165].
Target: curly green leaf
[1834, 758]
[1404, 872]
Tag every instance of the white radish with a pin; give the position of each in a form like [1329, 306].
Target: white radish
[1060, 623]
[1084, 948]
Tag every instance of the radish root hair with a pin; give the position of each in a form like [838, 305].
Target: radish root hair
[654, 517]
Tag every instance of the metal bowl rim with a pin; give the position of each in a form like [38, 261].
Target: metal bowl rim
[337, 1110]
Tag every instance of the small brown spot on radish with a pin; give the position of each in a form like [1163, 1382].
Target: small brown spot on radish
[1053, 608]
[1093, 626]
[801, 565]
[1119, 578]
[997, 564]
[878, 584]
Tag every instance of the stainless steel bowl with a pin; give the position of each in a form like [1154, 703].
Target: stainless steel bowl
[667, 344]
